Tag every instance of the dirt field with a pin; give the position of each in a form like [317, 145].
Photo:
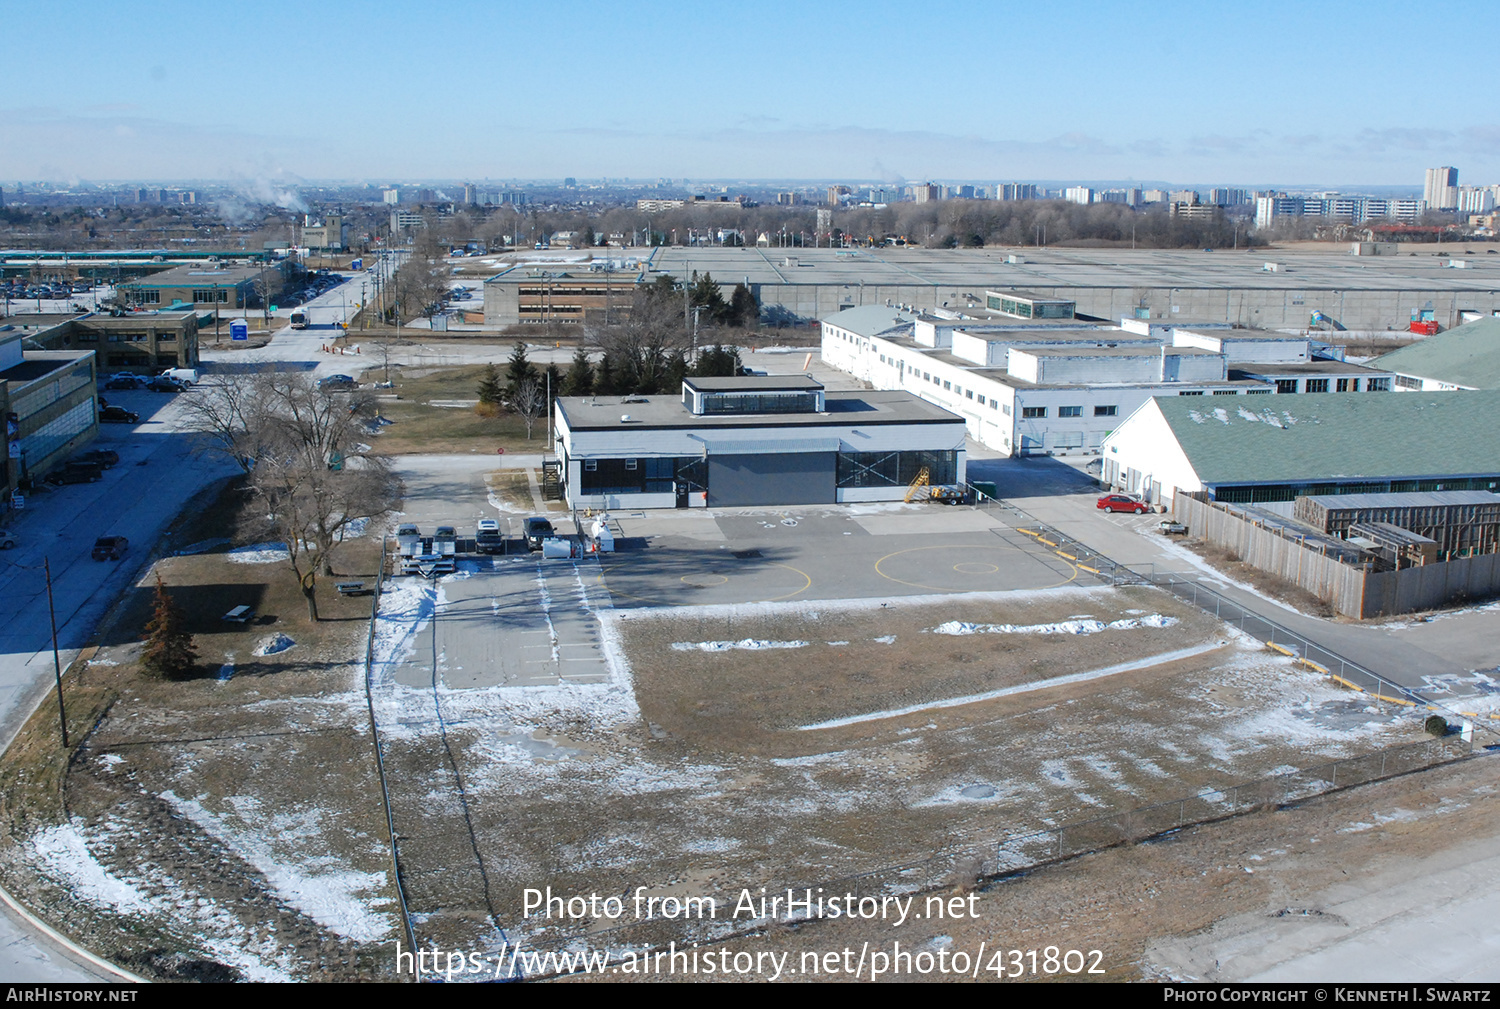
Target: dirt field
[713, 767]
[423, 428]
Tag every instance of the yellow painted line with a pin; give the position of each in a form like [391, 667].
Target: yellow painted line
[1309, 663]
[1341, 680]
[1284, 651]
[1394, 700]
[879, 570]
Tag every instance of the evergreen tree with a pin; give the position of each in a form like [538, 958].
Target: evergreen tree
[744, 310]
[169, 652]
[580, 380]
[707, 296]
[519, 371]
[490, 392]
[605, 383]
[677, 369]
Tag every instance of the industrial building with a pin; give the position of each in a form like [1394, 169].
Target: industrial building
[210, 284]
[762, 440]
[572, 294]
[48, 400]
[142, 342]
[1464, 358]
[1283, 448]
[1378, 293]
[1030, 382]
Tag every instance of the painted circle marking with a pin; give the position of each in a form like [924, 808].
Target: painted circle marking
[703, 581]
[976, 568]
[969, 547]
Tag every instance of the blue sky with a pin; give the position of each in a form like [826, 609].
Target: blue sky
[1267, 93]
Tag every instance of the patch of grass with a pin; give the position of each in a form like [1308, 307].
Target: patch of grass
[419, 427]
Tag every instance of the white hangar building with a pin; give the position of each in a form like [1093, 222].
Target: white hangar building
[762, 440]
[1029, 379]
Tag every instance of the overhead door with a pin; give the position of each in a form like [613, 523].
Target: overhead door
[773, 478]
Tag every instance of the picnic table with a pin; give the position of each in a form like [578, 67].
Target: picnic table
[240, 615]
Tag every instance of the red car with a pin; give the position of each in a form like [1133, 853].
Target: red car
[1122, 503]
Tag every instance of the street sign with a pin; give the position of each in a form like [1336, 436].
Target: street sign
[239, 329]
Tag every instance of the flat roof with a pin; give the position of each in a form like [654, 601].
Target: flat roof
[1155, 350]
[754, 383]
[604, 413]
[1412, 499]
[199, 275]
[1305, 368]
[977, 270]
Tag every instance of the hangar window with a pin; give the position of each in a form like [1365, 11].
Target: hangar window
[1070, 411]
[947, 385]
[895, 469]
[1033, 412]
[1106, 411]
[1317, 385]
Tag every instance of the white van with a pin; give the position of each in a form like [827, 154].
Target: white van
[186, 375]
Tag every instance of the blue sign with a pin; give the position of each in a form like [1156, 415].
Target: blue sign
[358, 264]
[239, 329]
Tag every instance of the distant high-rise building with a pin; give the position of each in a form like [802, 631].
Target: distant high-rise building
[836, 195]
[1441, 190]
[1476, 199]
[1079, 194]
[786, 199]
[884, 195]
[1228, 197]
[471, 194]
[570, 183]
[1018, 191]
[391, 196]
[924, 192]
[1188, 196]
[1156, 196]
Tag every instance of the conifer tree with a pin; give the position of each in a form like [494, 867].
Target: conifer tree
[169, 653]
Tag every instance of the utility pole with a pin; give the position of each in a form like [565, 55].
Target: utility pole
[62, 716]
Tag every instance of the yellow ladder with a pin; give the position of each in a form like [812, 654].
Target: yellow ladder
[912, 492]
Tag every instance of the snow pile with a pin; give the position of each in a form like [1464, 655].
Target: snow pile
[1075, 626]
[270, 646]
[259, 553]
[743, 645]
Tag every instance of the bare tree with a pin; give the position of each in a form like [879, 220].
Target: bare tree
[308, 464]
[231, 413]
[529, 402]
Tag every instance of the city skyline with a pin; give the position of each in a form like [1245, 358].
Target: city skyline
[770, 91]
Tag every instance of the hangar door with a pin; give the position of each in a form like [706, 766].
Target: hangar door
[771, 478]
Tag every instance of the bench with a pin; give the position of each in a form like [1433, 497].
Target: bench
[240, 615]
[352, 589]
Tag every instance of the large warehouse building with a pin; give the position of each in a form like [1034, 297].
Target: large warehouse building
[1248, 289]
[1464, 358]
[1282, 448]
[1046, 384]
[765, 440]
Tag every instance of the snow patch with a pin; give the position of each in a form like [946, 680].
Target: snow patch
[1087, 626]
[743, 645]
[259, 553]
[269, 646]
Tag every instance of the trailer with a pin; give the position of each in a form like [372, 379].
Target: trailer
[428, 556]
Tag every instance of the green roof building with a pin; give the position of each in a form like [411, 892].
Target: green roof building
[1467, 357]
[1279, 448]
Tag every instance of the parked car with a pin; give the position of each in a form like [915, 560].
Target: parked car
[163, 383]
[74, 474]
[445, 533]
[1122, 503]
[487, 538]
[102, 457]
[123, 382]
[7, 539]
[1170, 527]
[187, 376]
[407, 529]
[118, 415]
[337, 383]
[536, 530]
[110, 548]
